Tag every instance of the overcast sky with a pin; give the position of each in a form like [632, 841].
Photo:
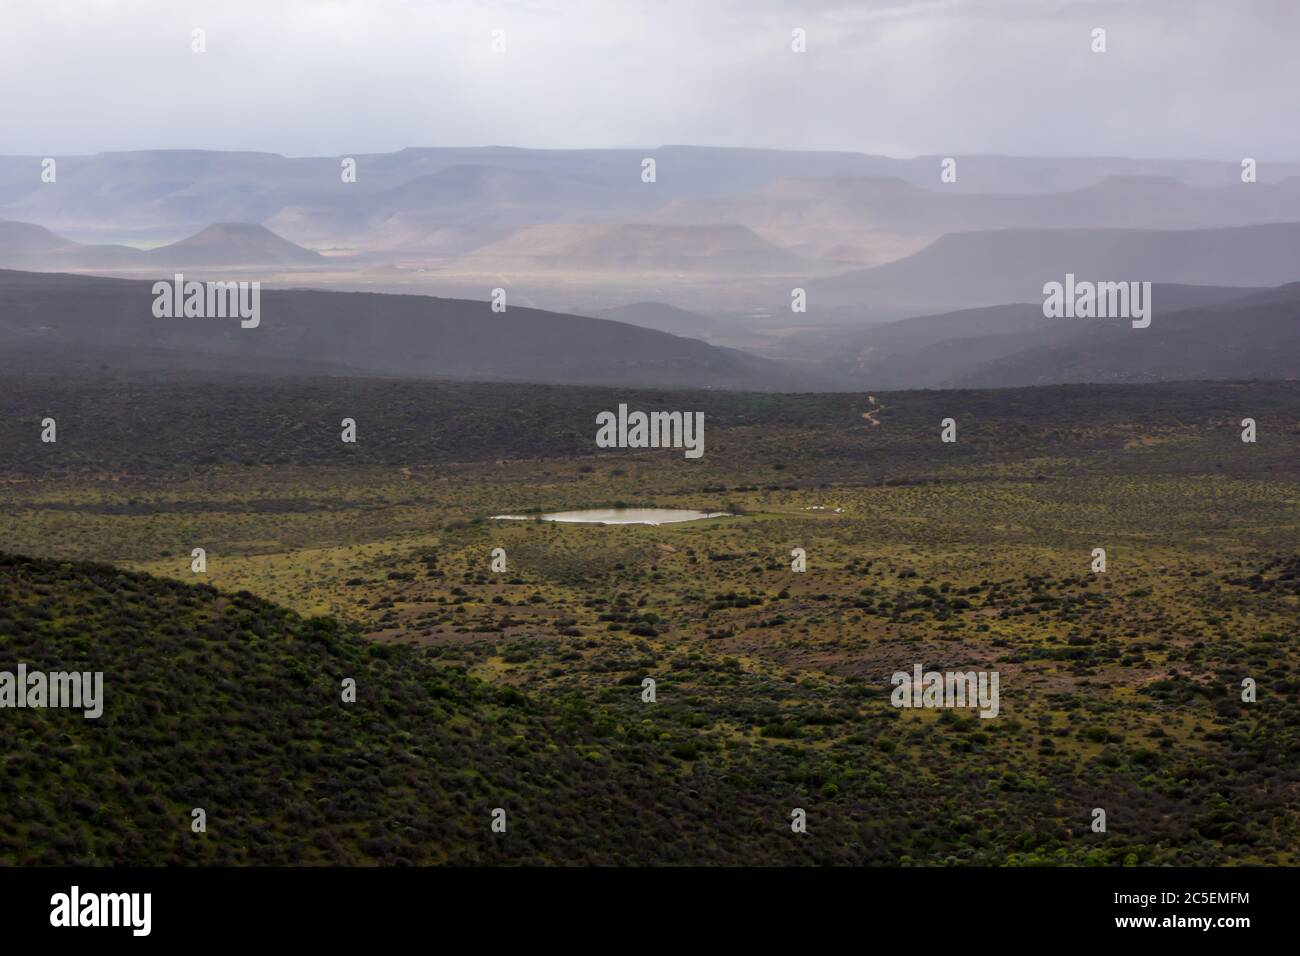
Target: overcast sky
[1180, 78]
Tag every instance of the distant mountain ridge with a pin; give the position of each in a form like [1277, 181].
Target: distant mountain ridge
[721, 244]
[227, 244]
[972, 269]
[871, 215]
[162, 192]
[642, 246]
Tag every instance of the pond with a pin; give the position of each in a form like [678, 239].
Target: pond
[654, 516]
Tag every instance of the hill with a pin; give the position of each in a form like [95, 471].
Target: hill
[232, 704]
[1255, 337]
[1015, 344]
[233, 244]
[48, 317]
[223, 245]
[27, 240]
[965, 270]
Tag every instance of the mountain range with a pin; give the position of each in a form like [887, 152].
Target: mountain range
[53, 323]
[686, 278]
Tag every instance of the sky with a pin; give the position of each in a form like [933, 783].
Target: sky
[1179, 78]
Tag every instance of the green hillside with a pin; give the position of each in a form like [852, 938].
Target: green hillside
[232, 704]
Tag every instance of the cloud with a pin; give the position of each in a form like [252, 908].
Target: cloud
[1180, 77]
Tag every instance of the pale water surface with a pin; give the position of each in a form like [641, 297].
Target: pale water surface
[619, 516]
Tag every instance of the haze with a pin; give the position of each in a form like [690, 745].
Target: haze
[1181, 78]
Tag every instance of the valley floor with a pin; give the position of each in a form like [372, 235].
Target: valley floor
[1120, 690]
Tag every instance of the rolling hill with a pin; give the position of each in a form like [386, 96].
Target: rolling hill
[63, 323]
[51, 320]
[234, 705]
[1256, 337]
[966, 270]
[1197, 333]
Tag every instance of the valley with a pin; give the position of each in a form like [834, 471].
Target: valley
[1119, 690]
